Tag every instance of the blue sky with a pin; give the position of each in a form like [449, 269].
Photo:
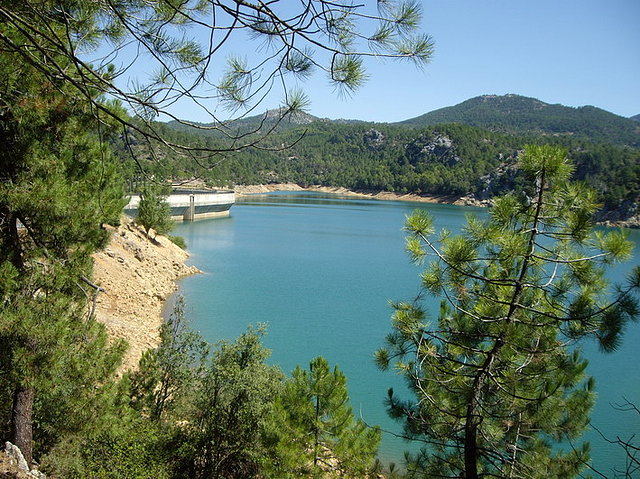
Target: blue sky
[576, 53]
[573, 52]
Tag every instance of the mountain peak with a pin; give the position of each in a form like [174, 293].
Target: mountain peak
[297, 117]
[513, 113]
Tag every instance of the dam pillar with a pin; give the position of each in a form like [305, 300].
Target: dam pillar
[190, 214]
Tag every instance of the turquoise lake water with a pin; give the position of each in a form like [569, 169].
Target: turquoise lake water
[320, 269]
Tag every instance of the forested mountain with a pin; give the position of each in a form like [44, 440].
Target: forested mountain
[452, 159]
[636, 117]
[518, 114]
[446, 159]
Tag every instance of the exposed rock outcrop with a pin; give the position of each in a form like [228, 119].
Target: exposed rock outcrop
[626, 215]
[374, 139]
[435, 147]
[14, 466]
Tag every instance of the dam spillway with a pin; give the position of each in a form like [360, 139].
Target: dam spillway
[192, 204]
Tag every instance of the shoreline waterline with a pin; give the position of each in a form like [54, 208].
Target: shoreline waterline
[247, 190]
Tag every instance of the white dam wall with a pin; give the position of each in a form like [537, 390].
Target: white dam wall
[189, 205]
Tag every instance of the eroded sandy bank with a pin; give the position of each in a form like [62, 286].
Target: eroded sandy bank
[137, 276]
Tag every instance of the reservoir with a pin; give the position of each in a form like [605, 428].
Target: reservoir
[319, 270]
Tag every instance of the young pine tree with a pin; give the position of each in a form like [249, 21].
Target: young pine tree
[498, 377]
[313, 429]
[154, 212]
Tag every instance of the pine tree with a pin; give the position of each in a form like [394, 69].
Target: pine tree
[154, 212]
[58, 187]
[498, 377]
[313, 429]
[150, 54]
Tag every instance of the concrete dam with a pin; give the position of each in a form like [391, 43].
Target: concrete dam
[192, 204]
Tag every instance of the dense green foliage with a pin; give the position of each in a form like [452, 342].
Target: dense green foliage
[154, 212]
[228, 409]
[58, 187]
[496, 374]
[312, 428]
[446, 159]
[520, 115]
[190, 411]
[126, 447]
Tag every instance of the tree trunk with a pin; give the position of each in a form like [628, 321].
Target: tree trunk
[471, 440]
[22, 421]
[316, 434]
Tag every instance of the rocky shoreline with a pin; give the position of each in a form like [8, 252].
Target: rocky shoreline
[137, 275]
[244, 190]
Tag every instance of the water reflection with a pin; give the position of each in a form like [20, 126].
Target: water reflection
[304, 198]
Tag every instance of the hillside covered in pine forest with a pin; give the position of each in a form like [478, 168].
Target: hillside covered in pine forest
[468, 150]
[517, 114]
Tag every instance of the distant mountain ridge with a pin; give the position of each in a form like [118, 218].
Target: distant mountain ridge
[470, 151]
[523, 115]
[511, 114]
[261, 123]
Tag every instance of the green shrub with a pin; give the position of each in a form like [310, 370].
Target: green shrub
[134, 452]
[178, 240]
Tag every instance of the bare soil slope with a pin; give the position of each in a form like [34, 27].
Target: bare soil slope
[137, 275]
